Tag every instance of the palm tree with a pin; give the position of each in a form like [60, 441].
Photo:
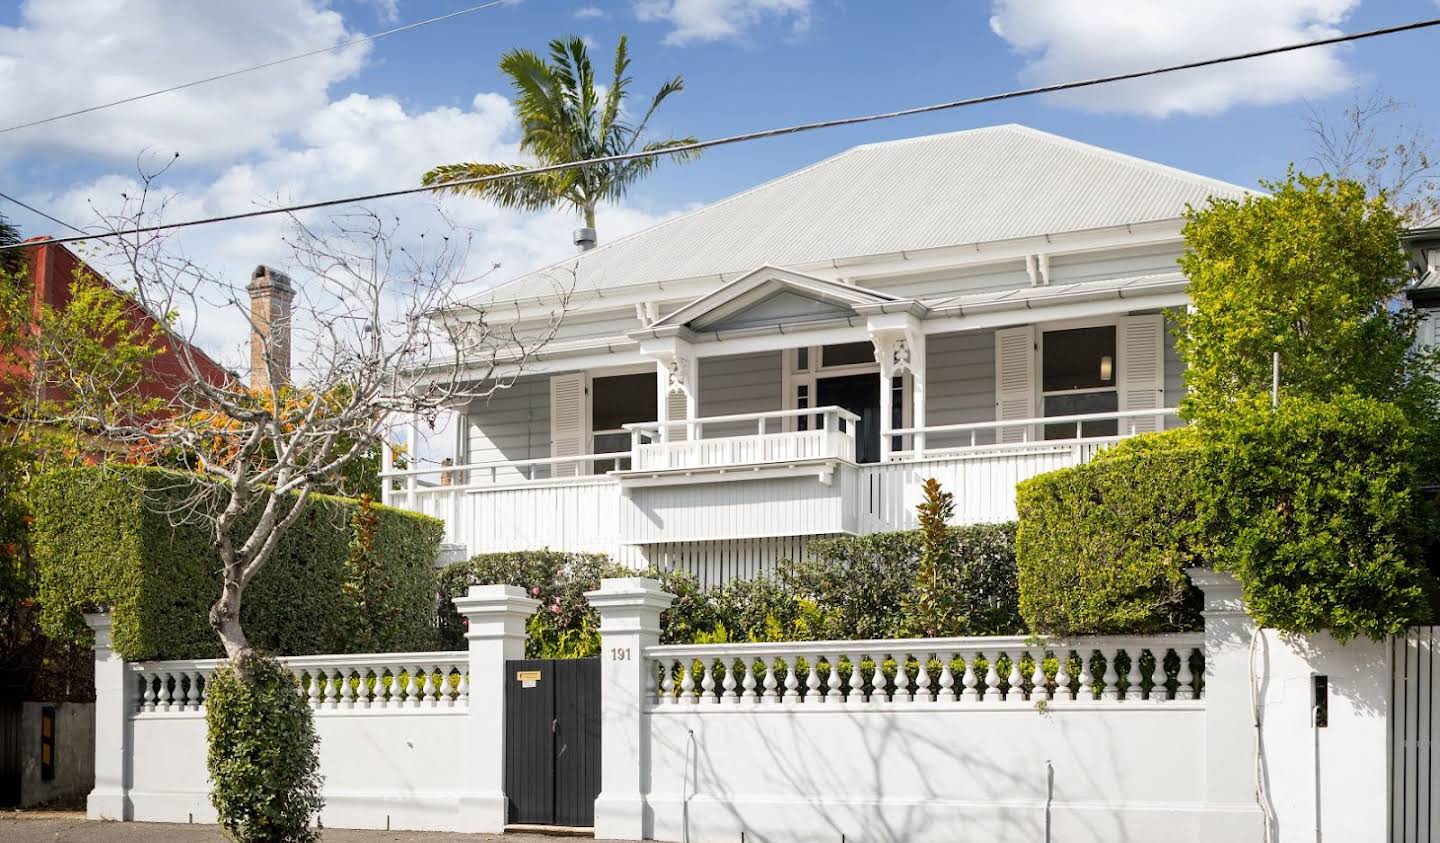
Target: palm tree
[564, 117]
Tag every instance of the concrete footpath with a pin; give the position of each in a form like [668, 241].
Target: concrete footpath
[61, 827]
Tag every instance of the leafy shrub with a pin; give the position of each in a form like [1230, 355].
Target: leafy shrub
[102, 538]
[1101, 547]
[264, 756]
[1316, 509]
[565, 626]
[858, 583]
[1314, 506]
[865, 586]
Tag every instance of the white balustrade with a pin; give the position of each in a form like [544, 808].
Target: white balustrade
[340, 683]
[999, 670]
[816, 433]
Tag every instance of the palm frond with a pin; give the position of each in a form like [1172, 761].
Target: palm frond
[527, 193]
[673, 86]
[633, 171]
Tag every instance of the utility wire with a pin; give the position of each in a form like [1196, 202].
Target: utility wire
[767, 133]
[39, 212]
[243, 70]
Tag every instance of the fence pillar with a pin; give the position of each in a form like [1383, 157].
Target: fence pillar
[109, 800]
[1229, 712]
[496, 615]
[629, 610]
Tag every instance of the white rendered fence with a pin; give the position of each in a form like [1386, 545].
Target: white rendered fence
[993, 738]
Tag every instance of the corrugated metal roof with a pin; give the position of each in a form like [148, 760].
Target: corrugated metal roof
[975, 186]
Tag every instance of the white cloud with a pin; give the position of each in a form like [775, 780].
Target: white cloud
[1076, 39]
[586, 12]
[355, 145]
[72, 55]
[719, 20]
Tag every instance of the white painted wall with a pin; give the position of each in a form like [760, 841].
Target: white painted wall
[1345, 766]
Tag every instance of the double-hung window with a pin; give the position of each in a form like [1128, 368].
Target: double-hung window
[1078, 378]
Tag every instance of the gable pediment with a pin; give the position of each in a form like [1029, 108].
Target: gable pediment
[771, 296]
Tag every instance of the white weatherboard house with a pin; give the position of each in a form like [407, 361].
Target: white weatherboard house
[795, 360]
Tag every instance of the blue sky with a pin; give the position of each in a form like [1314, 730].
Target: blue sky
[373, 117]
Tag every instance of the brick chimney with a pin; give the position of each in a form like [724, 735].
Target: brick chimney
[270, 296]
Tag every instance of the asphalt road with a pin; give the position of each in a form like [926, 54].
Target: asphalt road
[51, 827]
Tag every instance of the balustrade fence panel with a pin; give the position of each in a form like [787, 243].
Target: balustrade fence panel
[393, 681]
[995, 670]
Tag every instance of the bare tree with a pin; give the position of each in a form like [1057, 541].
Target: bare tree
[1370, 143]
[381, 333]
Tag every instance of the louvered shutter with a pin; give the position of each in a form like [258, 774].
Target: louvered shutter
[675, 412]
[569, 422]
[1140, 345]
[1015, 381]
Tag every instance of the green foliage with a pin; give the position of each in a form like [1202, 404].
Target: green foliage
[851, 587]
[264, 758]
[1101, 547]
[91, 359]
[1314, 506]
[112, 537]
[565, 116]
[565, 626]
[1316, 509]
[858, 583]
[1311, 271]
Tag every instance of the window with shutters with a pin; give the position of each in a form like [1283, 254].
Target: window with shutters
[1079, 377]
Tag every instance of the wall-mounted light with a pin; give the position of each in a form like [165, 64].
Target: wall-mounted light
[1107, 367]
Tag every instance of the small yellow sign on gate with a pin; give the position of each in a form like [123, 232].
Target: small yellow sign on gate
[527, 678]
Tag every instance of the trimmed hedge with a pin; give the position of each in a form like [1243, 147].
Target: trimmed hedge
[1315, 507]
[102, 537]
[1102, 547]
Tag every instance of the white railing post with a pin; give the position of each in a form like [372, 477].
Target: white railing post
[496, 616]
[1229, 712]
[109, 800]
[629, 610]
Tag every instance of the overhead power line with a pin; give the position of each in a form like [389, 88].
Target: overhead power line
[272, 63]
[770, 133]
[39, 212]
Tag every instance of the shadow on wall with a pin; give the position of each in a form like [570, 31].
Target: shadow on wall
[930, 784]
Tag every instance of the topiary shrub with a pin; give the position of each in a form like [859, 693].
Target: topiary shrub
[264, 756]
[1316, 508]
[102, 537]
[1101, 547]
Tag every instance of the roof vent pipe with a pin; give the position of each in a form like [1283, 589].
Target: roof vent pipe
[585, 239]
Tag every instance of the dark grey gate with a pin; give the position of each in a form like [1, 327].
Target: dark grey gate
[10, 760]
[552, 741]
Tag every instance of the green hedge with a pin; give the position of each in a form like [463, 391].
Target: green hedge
[1315, 507]
[1318, 510]
[102, 537]
[1102, 547]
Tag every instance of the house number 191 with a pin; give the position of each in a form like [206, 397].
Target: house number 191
[619, 654]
